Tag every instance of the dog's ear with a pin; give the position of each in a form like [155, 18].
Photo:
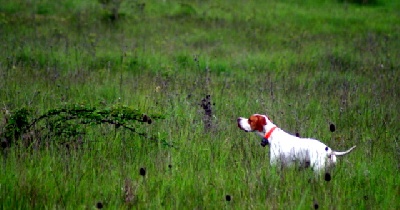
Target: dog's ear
[268, 117]
[257, 122]
[261, 122]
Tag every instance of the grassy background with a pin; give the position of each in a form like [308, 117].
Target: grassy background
[307, 64]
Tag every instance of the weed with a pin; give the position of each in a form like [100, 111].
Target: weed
[58, 122]
[112, 8]
[129, 193]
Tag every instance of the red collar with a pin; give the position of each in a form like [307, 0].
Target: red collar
[268, 134]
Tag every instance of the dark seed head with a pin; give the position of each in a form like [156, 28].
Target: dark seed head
[228, 198]
[169, 166]
[365, 197]
[316, 205]
[149, 121]
[328, 177]
[332, 127]
[4, 144]
[145, 118]
[99, 205]
[142, 171]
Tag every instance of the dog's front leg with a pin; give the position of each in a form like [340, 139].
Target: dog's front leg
[274, 158]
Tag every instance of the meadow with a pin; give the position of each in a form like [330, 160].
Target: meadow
[127, 104]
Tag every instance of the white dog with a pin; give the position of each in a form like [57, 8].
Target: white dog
[287, 149]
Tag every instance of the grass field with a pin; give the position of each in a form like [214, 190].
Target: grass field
[199, 64]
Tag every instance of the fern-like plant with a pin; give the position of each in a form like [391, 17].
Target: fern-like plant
[67, 122]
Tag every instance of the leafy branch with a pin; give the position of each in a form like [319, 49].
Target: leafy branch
[59, 120]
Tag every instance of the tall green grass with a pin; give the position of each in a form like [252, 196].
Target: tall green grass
[307, 64]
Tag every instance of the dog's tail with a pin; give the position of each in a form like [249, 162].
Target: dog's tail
[343, 153]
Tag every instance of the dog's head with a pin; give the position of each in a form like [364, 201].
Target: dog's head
[255, 123]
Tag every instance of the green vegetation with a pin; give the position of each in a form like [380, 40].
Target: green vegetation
[75, 73]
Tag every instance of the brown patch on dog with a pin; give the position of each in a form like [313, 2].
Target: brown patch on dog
[257, 122]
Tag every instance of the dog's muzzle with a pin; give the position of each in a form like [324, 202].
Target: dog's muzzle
[238, 123]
